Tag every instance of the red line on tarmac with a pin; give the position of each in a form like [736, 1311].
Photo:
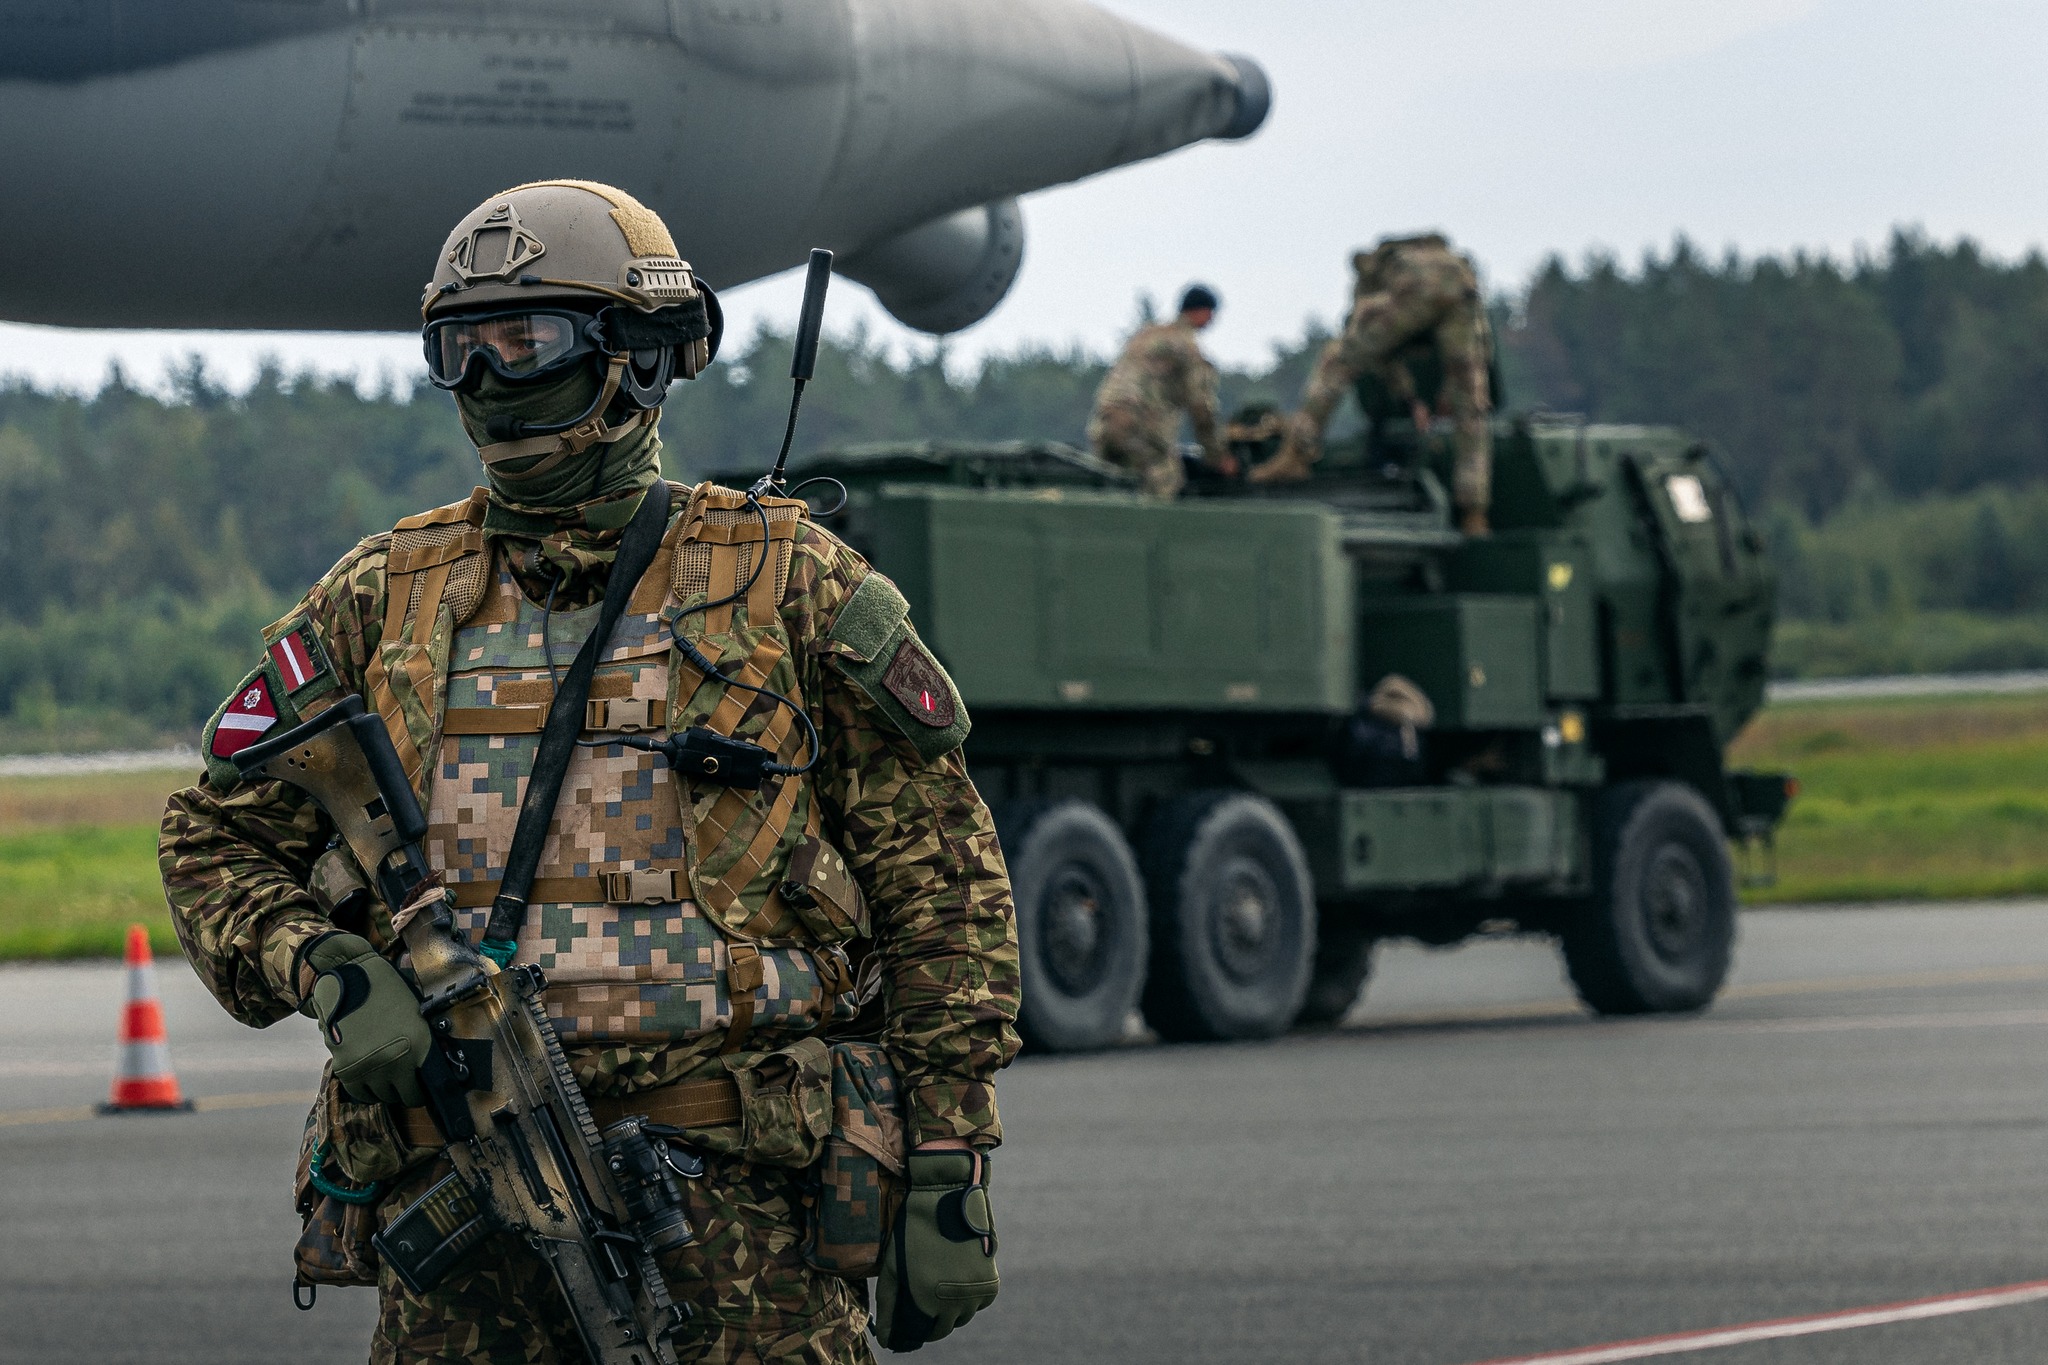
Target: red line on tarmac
[1677, 1343]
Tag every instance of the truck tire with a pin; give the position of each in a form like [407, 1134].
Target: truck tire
[1081, 927]
[1344, 949]
[1658, 931]
[1233, 918]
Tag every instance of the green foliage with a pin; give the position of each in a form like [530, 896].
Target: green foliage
[146, 539]
[1925, 370]
[74, 892]
[206, 495]
[1891, 417]
[1908, 799]
[126, 674]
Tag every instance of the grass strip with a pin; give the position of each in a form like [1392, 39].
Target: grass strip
[73, 891]
[1908, 798]
[1938, 798]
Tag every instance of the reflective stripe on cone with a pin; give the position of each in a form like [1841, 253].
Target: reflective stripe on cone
[144, 1080]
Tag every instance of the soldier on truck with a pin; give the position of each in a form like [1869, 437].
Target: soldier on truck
[1160, 374]
[1407, 290]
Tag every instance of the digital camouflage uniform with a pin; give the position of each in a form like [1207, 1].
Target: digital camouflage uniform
[1408, 289]
[644, 994]
[1136, 423]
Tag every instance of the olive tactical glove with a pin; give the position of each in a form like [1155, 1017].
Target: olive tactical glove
[939, 1261]
[369, 1019]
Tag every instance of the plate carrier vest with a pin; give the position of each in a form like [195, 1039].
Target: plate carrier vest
[661, 911]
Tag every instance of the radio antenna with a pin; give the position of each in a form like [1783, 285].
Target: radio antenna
[803, 363]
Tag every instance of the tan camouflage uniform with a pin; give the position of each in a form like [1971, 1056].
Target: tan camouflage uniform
[1161, 373]
[1407, 289]
[656, 1006]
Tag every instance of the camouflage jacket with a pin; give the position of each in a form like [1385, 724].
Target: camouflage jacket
[1422, 277]
[1162, 373]
[237, 857]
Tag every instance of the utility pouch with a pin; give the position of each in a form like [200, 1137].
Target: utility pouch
[431, 1235]
[785, 1102]
[336, 1228]
[818, 885]
[859, 1181]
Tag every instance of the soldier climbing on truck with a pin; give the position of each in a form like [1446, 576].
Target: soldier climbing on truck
[1413, 298]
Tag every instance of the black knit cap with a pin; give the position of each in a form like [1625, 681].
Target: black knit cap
[1198, 296]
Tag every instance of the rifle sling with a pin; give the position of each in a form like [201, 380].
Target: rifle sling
[637, 549]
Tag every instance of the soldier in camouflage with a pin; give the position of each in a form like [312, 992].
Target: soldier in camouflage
[816, 981]
[1160, 374]
[1407, 289]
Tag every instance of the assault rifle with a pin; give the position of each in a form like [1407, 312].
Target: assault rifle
[598, 1206]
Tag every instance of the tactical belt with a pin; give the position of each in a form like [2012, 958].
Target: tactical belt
[711, 1102]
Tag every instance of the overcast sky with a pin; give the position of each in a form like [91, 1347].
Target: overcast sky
[1521, 127]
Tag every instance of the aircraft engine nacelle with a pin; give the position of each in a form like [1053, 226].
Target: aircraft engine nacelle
[947, 274]
[225, 163]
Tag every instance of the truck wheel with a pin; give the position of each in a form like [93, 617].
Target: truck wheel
[1233, 918]
[1344, 949]
[1657, 933]
[1080, 923]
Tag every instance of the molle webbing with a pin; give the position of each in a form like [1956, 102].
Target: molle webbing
[721, 547]
[435, 558]
[639, 546]
[638, 886]
[601, 715]
[724, 894]
[744, 975]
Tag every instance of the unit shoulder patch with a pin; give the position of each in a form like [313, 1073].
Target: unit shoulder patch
[911, 693]
[248, 715]
[302, 666]
[915, 679]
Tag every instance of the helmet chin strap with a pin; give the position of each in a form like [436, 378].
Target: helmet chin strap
[572, 439]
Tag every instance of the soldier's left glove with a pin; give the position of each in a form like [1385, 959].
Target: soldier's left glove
[939, 1262]
[369, 1019]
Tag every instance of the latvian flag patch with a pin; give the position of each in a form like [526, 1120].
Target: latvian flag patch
[245, 719]
[298, 659]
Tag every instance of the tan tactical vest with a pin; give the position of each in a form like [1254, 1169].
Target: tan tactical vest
[661, 910]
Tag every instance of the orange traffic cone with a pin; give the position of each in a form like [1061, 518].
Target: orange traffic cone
[144, 1081]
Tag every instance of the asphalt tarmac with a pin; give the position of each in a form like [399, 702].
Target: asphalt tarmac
[1471, 1169]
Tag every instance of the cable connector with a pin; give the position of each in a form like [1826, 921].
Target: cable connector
[711, 757]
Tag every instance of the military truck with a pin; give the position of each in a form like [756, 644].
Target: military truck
[1170, 717]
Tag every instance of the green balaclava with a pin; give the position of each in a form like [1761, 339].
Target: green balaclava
[565, 524]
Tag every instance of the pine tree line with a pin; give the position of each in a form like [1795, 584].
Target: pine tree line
[1887, 420]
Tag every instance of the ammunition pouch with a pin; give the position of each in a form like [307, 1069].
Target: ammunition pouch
[860, 1177]
[833, 1110]
[818, 885]
[785, 1103]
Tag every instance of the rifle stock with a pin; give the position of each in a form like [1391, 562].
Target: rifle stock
[528, 1155]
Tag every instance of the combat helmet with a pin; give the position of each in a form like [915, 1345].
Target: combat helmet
[559, 273]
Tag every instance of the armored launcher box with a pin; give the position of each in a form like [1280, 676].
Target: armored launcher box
[1202, 811]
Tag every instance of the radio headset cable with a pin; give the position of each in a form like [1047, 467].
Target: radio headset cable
[802, 366]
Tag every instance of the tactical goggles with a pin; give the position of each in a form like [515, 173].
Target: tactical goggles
[517, 347]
